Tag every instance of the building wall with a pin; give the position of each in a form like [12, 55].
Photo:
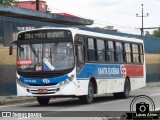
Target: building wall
[7, 72]
[152, 67]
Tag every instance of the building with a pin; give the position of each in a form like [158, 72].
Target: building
[31, 4]
[43, 7]
[108, 28]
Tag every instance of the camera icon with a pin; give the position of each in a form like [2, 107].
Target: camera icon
[142, 108]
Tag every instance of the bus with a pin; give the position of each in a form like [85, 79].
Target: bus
[72, 62]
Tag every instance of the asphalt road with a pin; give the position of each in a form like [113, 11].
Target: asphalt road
[68, 107]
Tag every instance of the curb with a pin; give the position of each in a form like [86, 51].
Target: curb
[15, 101]
[153, 84]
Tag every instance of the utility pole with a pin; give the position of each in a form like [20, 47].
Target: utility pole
[37, 5]
[142, 32]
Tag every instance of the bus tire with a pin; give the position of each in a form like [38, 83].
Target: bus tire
[88, 99]
[43, 100]
[124, 94]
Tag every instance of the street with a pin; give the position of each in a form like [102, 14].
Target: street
[57, 107]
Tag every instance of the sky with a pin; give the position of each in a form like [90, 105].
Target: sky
[118, 13]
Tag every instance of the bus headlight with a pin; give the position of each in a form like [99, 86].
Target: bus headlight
[71, 78]
[67, 81]
[22, 84]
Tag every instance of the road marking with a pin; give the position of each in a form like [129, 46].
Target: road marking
[16, 105]
[113, 101]
[156, 94]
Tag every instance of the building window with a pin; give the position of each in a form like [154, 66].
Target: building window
[1, 32]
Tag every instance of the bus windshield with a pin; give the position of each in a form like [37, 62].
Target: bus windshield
[45, 56]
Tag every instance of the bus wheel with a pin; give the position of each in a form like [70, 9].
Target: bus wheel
[87, 99]
[43, 100]
[125, 94]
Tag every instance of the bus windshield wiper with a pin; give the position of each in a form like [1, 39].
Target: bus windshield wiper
[33, 50]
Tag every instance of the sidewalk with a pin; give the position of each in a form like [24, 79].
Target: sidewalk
[153, 84]
[15, 99]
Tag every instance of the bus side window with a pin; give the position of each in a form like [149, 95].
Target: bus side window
[101, 50]
[119, 52]
[135, 53]
[92, 52]
[140, 51]
[79, 50]
[110, 52]
[124, 53]
[127, 48]
[79, 56]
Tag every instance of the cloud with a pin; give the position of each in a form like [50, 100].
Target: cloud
[103, 3]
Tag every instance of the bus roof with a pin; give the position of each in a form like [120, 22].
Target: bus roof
[92, 32]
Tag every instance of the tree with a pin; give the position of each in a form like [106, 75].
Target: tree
[6, 2]
[156, 33]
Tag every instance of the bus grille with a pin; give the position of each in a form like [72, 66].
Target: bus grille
[40, 91]
[43, 84]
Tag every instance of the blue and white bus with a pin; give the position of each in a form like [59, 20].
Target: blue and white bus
[66, 62]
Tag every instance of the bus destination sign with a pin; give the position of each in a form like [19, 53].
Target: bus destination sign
[42, 35]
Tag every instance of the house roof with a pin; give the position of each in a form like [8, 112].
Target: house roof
[16, 12]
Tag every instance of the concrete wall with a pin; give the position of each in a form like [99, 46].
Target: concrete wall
[152, 67]
[7, 72]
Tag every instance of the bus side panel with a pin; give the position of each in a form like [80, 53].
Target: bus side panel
[137, 83]
[102, 86]
[115, 85]
[110, 85]
[82, 87]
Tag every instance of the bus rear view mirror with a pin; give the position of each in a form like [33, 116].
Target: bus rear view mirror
[79, 42]
[11, 47]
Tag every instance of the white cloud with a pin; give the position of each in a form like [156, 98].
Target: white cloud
[103, 3]
[119, 13]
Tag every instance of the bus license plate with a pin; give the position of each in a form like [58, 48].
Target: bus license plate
[42, 91]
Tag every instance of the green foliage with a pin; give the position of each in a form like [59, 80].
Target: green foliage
[6, 2]
[156, 33]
